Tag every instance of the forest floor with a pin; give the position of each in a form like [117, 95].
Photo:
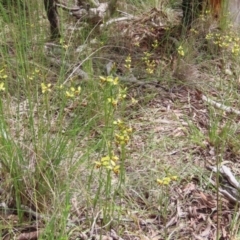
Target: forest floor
[132, 134]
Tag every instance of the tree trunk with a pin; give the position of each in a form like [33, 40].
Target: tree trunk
[52, 16]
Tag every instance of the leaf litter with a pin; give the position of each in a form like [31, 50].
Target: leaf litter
[164, 139]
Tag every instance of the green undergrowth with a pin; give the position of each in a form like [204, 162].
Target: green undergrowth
[56, 131]
[87, 149]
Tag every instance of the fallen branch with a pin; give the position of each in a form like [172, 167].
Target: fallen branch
[115, 20]
[94, 15]
[229, 188]
[64, 7]
[93, 224]
[226, 172]
[220, 105]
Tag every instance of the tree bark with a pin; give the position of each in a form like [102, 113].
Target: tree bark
[52, 15]
[191, 9]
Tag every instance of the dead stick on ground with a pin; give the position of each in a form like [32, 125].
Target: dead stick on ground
[93, 225]
[220, 105]
[115, 20]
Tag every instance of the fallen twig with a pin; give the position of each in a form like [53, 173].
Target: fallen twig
[93, 225]
[117, 20]
[232, 188]
[226, 172]
[220, 105]
[64, 7]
